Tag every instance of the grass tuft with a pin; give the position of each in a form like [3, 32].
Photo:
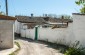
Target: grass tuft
[15, 52]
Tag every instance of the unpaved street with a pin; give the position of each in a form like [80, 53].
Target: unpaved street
[29, 47]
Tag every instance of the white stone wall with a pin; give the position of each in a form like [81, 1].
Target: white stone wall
[28, 33]
[6, 33]
[57, 35]
[74, 32]
[79, 28]
[17, 26]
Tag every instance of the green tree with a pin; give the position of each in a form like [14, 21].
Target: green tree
[82, 4]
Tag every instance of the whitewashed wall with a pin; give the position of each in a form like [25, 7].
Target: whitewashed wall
[17, 26]
[58, 35]
[28, 33]
[79, 28]
[75, 31]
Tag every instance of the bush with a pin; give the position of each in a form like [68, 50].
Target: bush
[18, 44]
[75, 50]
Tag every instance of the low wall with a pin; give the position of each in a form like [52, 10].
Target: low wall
[28, 33]
[58, 35]
[17, 27]
[74, 32]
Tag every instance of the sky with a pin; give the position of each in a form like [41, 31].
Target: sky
[39, 7]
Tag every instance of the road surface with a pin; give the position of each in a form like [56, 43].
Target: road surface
[29, 47]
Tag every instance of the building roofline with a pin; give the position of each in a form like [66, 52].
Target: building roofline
[4, 17]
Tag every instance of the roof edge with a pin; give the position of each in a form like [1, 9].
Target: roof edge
[4, 17]
[77, 14]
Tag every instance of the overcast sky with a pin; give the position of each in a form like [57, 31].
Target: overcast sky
[39, 7]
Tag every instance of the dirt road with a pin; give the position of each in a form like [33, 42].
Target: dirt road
[29, 47]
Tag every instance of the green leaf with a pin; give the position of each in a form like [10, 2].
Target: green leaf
[78, 3]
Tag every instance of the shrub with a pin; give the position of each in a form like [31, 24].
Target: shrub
[18, 44]
[75, 50]
[16, 51]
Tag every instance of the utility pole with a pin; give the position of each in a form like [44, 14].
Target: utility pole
[6, 7]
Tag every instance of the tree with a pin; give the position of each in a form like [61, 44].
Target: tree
[1, 13]
[82, 4]
[66, 16]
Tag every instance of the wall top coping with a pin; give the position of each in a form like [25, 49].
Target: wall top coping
[77, 14]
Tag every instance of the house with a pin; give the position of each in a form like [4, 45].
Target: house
[29, 22]
[6, 31]
[57, 22]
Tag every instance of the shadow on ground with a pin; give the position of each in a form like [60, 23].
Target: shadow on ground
[2, 49]
[61, 48]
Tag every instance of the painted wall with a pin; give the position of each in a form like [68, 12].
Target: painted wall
[6, 33]
[28, 33]
[57, 35]
[17, 26]
[79, 28]
[74, 32]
